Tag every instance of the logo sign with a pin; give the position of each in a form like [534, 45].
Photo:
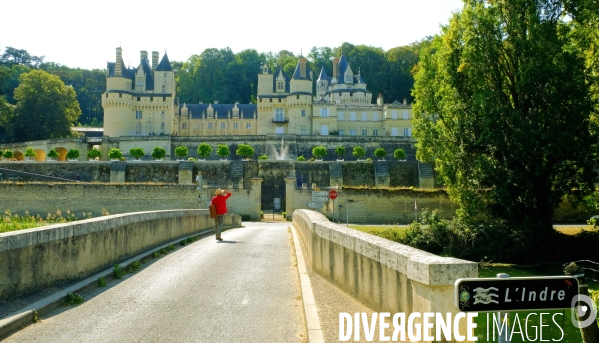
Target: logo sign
[333, 194]
[316, 205]
[515, 294]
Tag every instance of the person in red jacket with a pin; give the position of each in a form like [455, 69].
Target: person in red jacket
[220, 202]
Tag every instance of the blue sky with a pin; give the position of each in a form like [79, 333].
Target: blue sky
[85, 33]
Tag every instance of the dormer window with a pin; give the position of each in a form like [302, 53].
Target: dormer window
[280, 85]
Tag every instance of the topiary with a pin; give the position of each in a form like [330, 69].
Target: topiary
[137, 152]
[245, 150]
[301, 158]
[358, 152]
[400, 154]
[319, 152]
[73, 154]
[222, 150]
[8, 154]
[340, 151]
[52, 153]
[263, 157]
[93, 154]
[181, 151]
[115, 154]
[158, 153]
[29, 152]
[204, 150]
[380, 153]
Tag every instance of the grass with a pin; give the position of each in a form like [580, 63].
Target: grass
[393, 233]
[574, 230]
[13, 222]
[73, 299]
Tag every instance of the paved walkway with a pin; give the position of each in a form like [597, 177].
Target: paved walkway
[244, 289]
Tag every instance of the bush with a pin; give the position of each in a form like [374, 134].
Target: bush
[300, 158]
[1, 153]
[222, 150]
[369, 159]
[245, 150]
[137, 152]
[115, 154]
[204, 150]
[380, 153]
[29, 152]
[319, 152]
[158, 153]
[340, 151]
[263, 157]
[400, 154]
[358, 152]
[73, 154]
[8, 154]
[181, 151]
[52, 153]
[94, 153]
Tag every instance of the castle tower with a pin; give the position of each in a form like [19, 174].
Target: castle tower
[322, 84]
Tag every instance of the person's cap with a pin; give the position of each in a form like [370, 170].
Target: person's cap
[218, 192]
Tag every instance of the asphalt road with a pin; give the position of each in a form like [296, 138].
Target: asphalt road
[244, 289]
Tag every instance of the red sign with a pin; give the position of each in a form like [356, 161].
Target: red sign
[332, 194]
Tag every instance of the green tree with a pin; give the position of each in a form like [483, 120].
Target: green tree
[340, 151]
[181, 151]
[52, 154]
[222, 150]
[380, 153]
[93, 154]
[503, 106]
[319, 152]
[137, 152]
[73, 154]
[115, 154]
[400, 154]
[158, 153]
[358, 152]
[29, 152]
[245, 150]
[261, 157]
[300, 158]
[204, 150]
[8, 154]
[46, 108]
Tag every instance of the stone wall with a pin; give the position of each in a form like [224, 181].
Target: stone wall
[384, 275]
[44, 198]
[38, 258]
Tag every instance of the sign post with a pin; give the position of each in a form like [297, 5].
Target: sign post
[333, 195]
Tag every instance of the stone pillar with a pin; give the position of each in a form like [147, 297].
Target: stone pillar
[117, 171]
[257, 195]
[335, 174]
[185, 173]
[289, 192]
[381, 174]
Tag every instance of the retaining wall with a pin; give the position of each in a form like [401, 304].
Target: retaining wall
[37, 258]
[384, 275]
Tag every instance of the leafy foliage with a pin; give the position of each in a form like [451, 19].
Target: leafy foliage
[380, 153]
[399, 154]
[115, 154]
[158, 153]
[94, 153]
[137, 152]
[263, 157]
[245, 150]
[340, 151]
[8, 154]
[73, 154]
[319, 151]
[222, 150]
[52, 153]
[181, 151]
[300, 158]
[29, 152]
[358, 152]
[46, 107]
[503, 106]
[204, 150]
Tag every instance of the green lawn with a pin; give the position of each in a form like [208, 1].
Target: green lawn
[394, 233]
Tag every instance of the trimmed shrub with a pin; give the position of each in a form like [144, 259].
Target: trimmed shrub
[222, 150]
[340, 151]
[94, 153]
[204, 150]
[319, 152]
[181, 151]
[245, 150]
[29, 152]
[158, 153]
[263, 157]
[400, 154]
[380, 153]
[137, 152]
[115, 154]
[358, 152]
[300, 158]
[73, 154]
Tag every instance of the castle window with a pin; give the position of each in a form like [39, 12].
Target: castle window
[405, 114]
[235, 126]
[341, 132]
[270, 100]
[407, 132]
[352, 116]
[163, 88]
[393, 114]
[184, 125]
[106, 95]
[222, 125]
[210, 125]
[120, 95]
[324, 112]
[375, 117]
[248, 125]
[279, 99]
[164, 74]
[279, 115]
[163, 98]
[297, 96]
[340, 116]
[364, 116]
[137, 98]
[303, 130]
[375, 132]
[151, 98]
[303, 113]
[394, 132]
[352, 132]
[137, 114]
[197, 125]
[364, 132]
[280, 85]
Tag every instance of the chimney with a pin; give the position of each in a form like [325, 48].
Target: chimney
[119, 62]
[154, 60]
[143, 55]
[379, 100]
[335, 67]
[405, 102]
[215, 102]
[303, 61]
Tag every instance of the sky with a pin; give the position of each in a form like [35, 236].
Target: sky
[85, 34]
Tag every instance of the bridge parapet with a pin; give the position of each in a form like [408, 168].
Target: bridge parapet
[41, 257]
[382, 274]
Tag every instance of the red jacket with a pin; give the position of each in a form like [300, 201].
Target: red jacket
[220, 201]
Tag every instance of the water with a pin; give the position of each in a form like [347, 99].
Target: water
[282, 153]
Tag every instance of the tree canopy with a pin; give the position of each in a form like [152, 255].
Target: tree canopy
[503, 108]
[46, 107]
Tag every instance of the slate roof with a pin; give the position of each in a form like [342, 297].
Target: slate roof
[145, 65]
[274, 80]
[165, 64]
[296, 73]
[323, 75]
[221, 111]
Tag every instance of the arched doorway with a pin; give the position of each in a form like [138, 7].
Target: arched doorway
[62, 154]
[19, 156]
[40, 155]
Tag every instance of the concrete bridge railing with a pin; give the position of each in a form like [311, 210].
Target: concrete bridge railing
[37, 258]
[382, 274]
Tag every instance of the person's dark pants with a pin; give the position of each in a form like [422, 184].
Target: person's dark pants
[218, 224]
